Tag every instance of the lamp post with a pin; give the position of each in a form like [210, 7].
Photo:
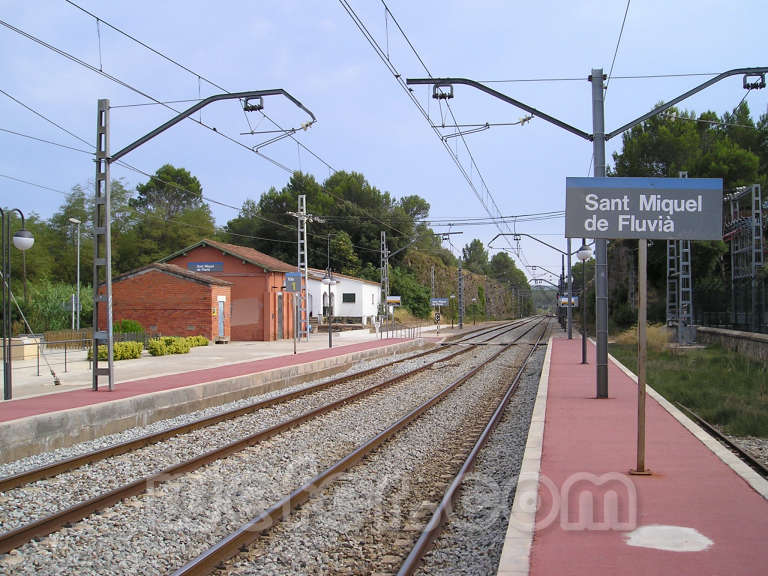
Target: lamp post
[77, 297]
[329, 281]
[23, 240]
[584, 254]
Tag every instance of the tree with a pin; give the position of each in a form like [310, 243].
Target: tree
[475, 257]
[170, 214]
[731, 147]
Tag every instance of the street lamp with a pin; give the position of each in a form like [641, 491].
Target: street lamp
[77, 303]
[329, 281]
[23, 240]
[584, 254]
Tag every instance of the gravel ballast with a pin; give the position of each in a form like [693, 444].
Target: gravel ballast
[173, 522]
[369, 519]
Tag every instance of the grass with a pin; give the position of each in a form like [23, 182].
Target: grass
[723, 387]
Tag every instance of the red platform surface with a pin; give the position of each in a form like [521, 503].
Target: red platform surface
[690, 486]
[23, 407]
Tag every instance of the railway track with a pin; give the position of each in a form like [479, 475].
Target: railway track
[52, 522]
[233, 549]
[65, 465]
[743, 455]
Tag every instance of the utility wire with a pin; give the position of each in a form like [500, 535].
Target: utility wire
[618, 42]
[43, 140]
[124, 84]
[201, 77]
[399, 79]
[582, 78]
[34, 184]
[60, 127]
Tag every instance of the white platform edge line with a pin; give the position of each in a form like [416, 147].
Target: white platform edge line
[757, 482]
[518, 539]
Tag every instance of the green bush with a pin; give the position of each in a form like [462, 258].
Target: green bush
[179, 346]
[169, 345]
[157, 347]
[197, 341]
[128, 326]
[120, 351]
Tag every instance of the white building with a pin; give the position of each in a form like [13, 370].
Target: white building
[355, 299]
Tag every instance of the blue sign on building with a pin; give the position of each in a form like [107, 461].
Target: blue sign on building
[205, 266]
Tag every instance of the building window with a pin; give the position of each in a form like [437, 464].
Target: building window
[348, 297]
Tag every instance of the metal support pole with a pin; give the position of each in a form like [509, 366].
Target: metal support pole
[583, 308]
[461, 297]
[642, 317]
[102, 250]
[601, 245]
[570, 294]
[5, 229]
[77, 304]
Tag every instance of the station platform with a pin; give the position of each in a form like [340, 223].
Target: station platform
[578, 511]
[43, 416]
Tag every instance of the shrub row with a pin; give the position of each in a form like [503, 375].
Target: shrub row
[120, 351]
[174, 344]
[156, 346]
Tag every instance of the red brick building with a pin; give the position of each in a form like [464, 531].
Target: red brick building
[173, 301]
[261, 309]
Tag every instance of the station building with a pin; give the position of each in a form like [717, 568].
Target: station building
[261, 309]
[354, 300]
[172, 301]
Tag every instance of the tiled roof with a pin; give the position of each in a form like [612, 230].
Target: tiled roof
[243, 252]
[176, 271]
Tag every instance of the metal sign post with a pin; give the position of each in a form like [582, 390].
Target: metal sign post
[293, 285]
[642, 208]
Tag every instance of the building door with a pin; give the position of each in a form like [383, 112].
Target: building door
[280, 316]
[221, 304]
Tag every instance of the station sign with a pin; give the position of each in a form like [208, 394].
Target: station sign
[205, 266]
[293, 281]
[438, 302]
[652, 208]
[393, 300]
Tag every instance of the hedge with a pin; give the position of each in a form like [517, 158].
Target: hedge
[174, 344]
[120, 351]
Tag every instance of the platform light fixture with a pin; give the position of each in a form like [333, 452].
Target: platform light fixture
[583, 254]
[23, 240]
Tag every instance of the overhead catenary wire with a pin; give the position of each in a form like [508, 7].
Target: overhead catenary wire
[618, 43]
[132, 88]
[286, 132]
[582, 78]
[399, 79]
[212, 83]
[159, 102]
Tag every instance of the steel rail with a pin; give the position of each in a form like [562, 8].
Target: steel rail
[247, 533]
[60, 466]
[744, 455]
[442, 513]
[46, 525]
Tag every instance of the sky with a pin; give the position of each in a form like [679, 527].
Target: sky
[366, 122]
